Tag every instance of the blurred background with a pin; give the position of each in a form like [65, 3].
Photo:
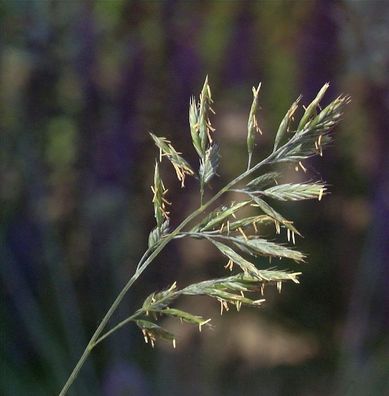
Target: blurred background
[82, 82]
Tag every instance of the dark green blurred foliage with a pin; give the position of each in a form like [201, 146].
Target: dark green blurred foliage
[82, 82]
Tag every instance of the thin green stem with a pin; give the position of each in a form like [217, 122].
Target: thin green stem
[250, 156]
[138, 313]
[143, 264]
[201, 192]
[97, 333]
[121, 295]
[142, 259]
[294, 150]
[76, 370]
[118, 326]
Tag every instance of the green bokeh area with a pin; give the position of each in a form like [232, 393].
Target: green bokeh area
[81, 85]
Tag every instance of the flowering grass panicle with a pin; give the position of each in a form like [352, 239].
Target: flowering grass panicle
[236, 234]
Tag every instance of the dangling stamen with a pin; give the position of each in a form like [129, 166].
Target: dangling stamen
[244, 235]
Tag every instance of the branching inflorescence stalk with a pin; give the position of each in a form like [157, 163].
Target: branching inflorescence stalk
[95, 337]
[307, 140]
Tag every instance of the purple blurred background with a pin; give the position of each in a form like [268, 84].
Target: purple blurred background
[82, 82]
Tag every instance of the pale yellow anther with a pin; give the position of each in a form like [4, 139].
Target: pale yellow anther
[166, 201]
[173, 286]
[221, 307]
[209, 134]
[243, 234]
[229, 265]
[203, 323]
[255, 227]
[302, 167]
[145, 336]
[277, 225]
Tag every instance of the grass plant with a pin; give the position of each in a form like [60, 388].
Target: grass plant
[237, 237]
